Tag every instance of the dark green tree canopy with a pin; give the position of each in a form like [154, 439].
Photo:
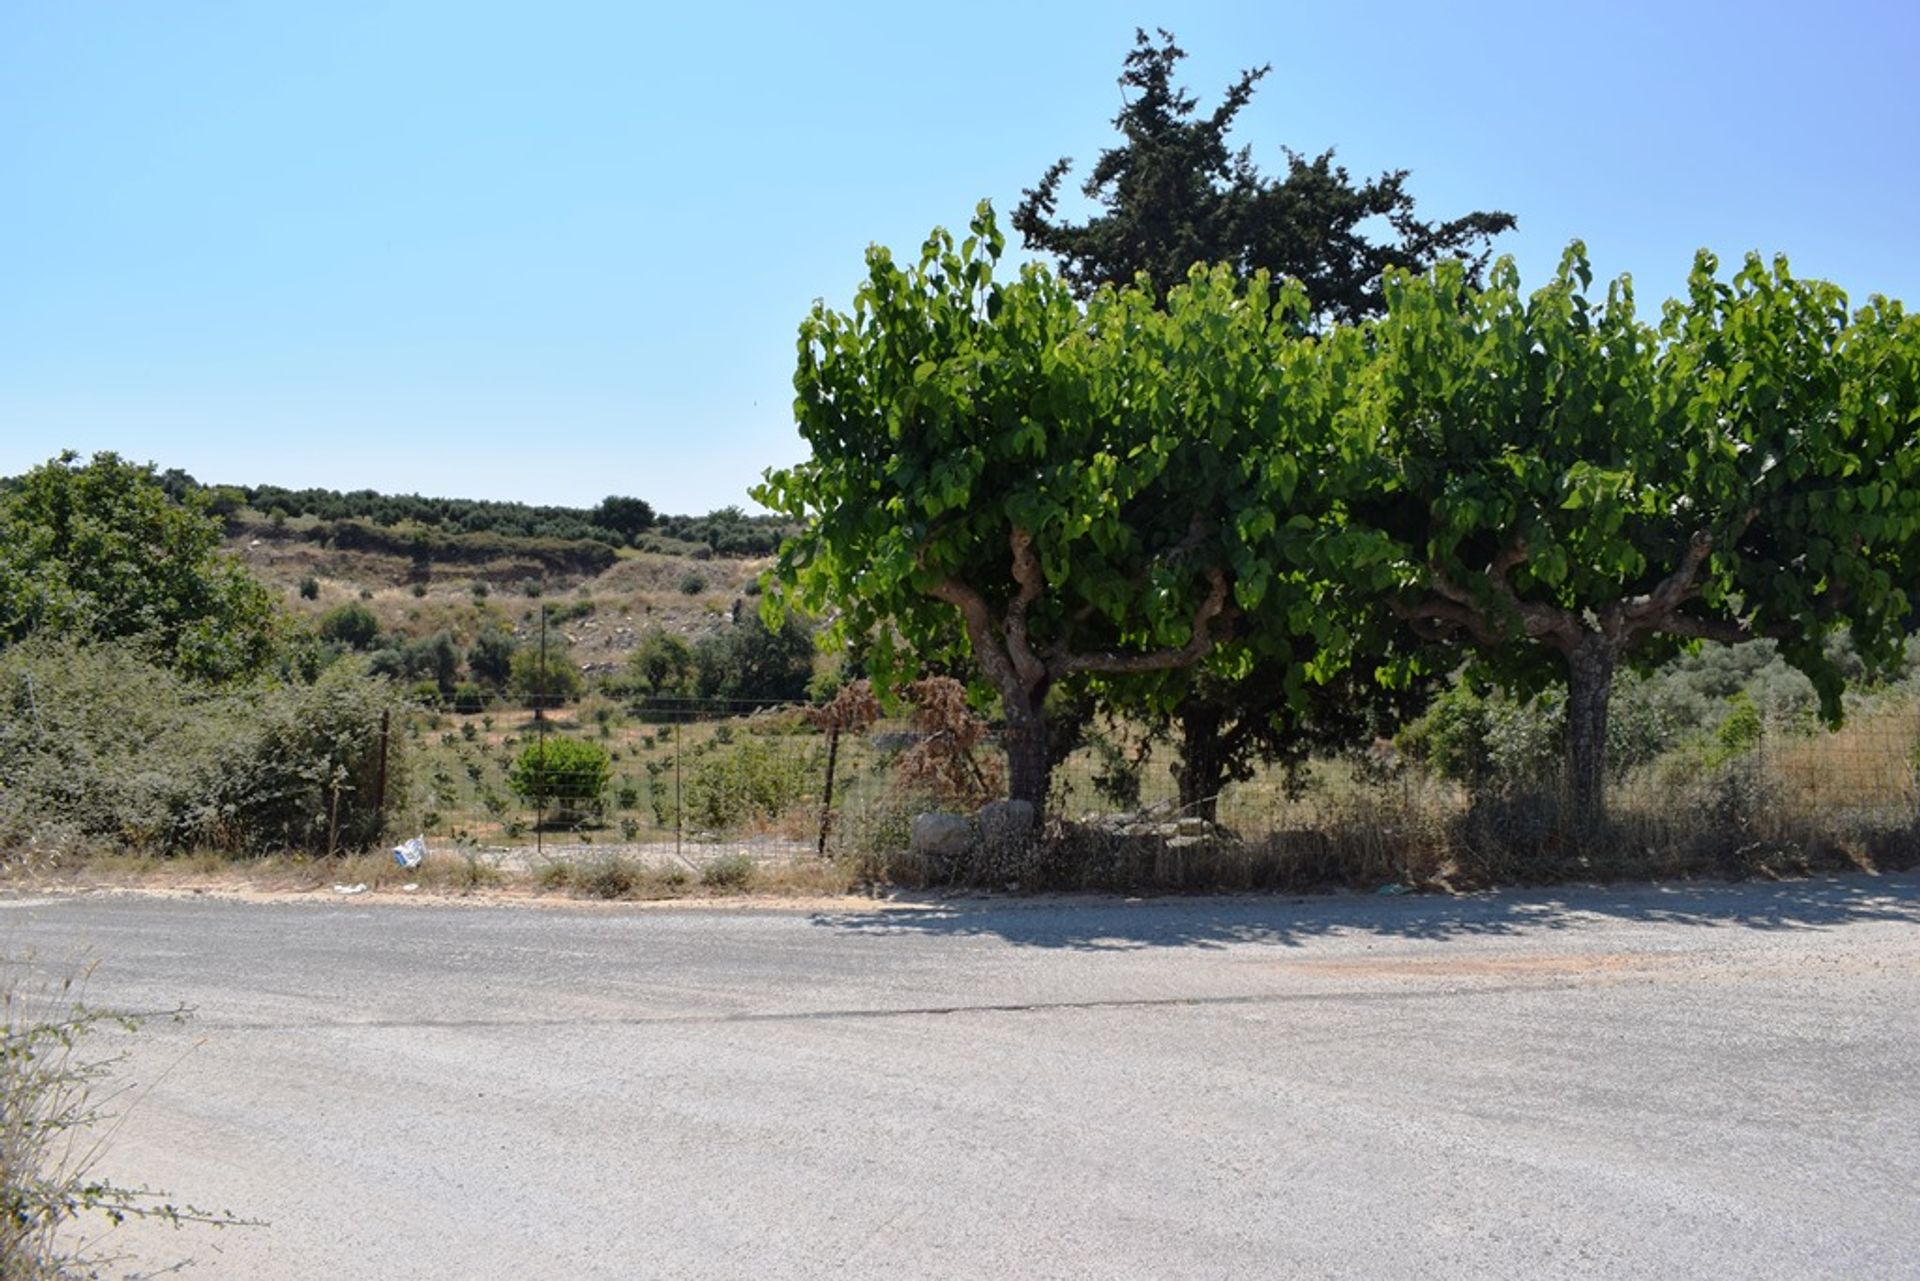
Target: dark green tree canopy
[1175, 193]
[100, 550]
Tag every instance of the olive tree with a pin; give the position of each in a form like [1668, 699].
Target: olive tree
[1007, 480]
[1567, 488]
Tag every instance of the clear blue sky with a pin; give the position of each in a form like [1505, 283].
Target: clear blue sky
[549, 252]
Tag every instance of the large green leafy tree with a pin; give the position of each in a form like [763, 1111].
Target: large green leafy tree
[99, 549]
[1050, 491]
[1568, 488]
[1175, 193]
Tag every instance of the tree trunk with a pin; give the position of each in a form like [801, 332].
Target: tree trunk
[1029, 764]
[1202, 769]
[1589, 687]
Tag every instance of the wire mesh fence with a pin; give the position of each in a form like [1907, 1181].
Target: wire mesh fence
[690, 781]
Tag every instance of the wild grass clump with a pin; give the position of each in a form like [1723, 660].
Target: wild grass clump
[733, 872]
[609, 876]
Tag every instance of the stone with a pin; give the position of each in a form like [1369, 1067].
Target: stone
[1193, 827]
[1006, 823]
[941, 835]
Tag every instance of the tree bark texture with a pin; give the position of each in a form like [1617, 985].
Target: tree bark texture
[1022, 672]
[1592, 640]
[1590, 668]
[1202, 770]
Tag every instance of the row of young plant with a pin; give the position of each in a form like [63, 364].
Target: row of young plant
[1218, 512]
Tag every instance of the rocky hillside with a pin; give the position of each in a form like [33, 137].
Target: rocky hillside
[598, 597]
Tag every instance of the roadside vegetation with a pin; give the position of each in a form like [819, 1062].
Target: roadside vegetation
[57, 1206]
[1274, 536]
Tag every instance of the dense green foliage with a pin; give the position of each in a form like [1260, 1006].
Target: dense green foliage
[1119, 491]
[543, 677]
[470, 529]
[1565, 488]
[100, 550]
[101, 747]
[1175, 193]
[753, 662]
[565, 774]
[1093, 489]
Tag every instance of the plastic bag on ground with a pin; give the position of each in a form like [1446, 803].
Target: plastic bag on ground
[410, 852]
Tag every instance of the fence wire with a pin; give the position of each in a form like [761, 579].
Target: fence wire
[690, 780]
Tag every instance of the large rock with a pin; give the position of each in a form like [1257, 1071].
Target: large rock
[1006, 823]
[941, 836]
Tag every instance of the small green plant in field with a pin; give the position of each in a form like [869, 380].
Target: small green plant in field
[565, 774]
[747, 781]
[555, 875]
[309, 587]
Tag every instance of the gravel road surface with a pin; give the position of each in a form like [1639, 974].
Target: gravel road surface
[1705, 1081]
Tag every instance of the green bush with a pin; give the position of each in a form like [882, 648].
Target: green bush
[567, 775]
[352, 625]
[544, 680]
[100, 747]
[753, 781]
[469, 698]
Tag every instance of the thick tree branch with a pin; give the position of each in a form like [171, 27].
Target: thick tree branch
[1457, 608]
[1198, 644]
[1027, 573]
[988, 650]
[1436, 619]
[1640, 614]
[1511, 557]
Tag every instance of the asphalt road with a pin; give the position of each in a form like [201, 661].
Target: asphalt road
[1644, 1082]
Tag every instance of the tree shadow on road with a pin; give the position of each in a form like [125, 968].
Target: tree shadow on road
[1106, 924]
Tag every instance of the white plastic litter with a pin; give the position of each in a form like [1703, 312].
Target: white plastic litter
[361, 888]
[411, 886]
[409, 853]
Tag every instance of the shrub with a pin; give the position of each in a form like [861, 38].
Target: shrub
[544, 680]
[490, 659]
[752, 781]
[750, 662]
[728, 872]
[608, 876]
[352, 625]
[662, 664]
[693, 583]
[469, 699]
[51, 1201]
[113, 750]
[309, 588]
[563, 774]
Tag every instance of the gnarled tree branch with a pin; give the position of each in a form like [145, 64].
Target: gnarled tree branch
[1212, 609]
